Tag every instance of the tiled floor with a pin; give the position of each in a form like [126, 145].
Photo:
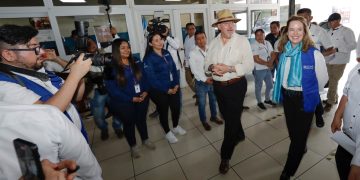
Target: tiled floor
[196, 156]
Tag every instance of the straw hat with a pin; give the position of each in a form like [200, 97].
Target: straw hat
[223, 16]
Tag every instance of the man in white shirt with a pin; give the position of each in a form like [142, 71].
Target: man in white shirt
[262, 51]
[56, 137]
[189, 45]
[323, 43]
[344, 42]
[347, 113]
[202, 82]
[23, 80]
[229, 58]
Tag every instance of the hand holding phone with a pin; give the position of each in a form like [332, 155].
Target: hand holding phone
[29, 160]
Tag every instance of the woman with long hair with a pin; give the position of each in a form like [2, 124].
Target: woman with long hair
[163, 80]
[301, 71]
[127, 88]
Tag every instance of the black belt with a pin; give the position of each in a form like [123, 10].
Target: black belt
[291, 93]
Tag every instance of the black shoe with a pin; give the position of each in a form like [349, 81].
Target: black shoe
[284, 176]
[246, 108]
[104, 135]
[261, 106]
[154, 114]
[119, 133]
[224, 166]
[206, 125]
[320, 122]
[270, 103]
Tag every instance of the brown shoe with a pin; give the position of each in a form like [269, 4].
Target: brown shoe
[206, 125]
[216, 120]
[327, 107]
[224, 166]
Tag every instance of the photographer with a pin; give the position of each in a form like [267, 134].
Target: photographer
[100, 98]
[23, 79]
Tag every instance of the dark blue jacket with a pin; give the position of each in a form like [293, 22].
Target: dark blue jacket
[158, 69]
[125, 94]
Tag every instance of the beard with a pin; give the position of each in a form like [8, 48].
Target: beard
[38, 65]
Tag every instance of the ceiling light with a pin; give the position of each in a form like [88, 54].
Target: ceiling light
[173, 0]
[73, 1]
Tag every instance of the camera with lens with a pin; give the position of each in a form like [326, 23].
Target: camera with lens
[97, 59]
[157, 25]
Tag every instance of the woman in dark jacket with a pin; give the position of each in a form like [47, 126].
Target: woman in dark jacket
[163, 80]
[127, 88]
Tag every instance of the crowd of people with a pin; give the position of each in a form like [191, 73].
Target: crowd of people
[304, 56]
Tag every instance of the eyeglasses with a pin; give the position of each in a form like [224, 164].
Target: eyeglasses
[35, 49]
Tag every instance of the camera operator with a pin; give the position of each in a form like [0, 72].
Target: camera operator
[23, 79]
[100, 98]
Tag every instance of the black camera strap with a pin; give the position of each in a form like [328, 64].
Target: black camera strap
[8, 69]
[177, 52]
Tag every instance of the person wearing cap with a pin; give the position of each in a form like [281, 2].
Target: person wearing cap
[344, 42]
[322, 41]
[229, 58]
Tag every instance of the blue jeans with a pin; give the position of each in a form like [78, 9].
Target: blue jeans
[201, 90]
[260, 76]
[97, 107]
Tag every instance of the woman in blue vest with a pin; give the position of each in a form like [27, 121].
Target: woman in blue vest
[127, 88]
[163, 79]
[301, 71]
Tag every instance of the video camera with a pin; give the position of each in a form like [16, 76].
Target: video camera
[157, 25]
[97, 59]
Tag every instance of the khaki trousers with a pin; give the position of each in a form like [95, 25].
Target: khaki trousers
[190, 79]
[335, 72]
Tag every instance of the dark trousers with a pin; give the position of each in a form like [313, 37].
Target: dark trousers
[343, 162]
[163, 101]
[319, 111]
[298, 123]
[133, 114]
[230, 100]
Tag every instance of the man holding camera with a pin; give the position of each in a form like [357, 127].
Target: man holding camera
[23, 79]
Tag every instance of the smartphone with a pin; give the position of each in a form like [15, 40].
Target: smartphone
[29, 160]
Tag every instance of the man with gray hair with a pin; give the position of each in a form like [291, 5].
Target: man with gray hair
[229, 65]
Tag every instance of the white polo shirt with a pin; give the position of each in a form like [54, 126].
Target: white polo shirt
[342, 38]
[189, 45]
[351, 116]
[15, 93]
[358, 48]
[320, 37]
[197, 63]
[264, 52]
[56, 137]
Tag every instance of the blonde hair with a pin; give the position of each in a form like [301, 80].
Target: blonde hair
[307, 41]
